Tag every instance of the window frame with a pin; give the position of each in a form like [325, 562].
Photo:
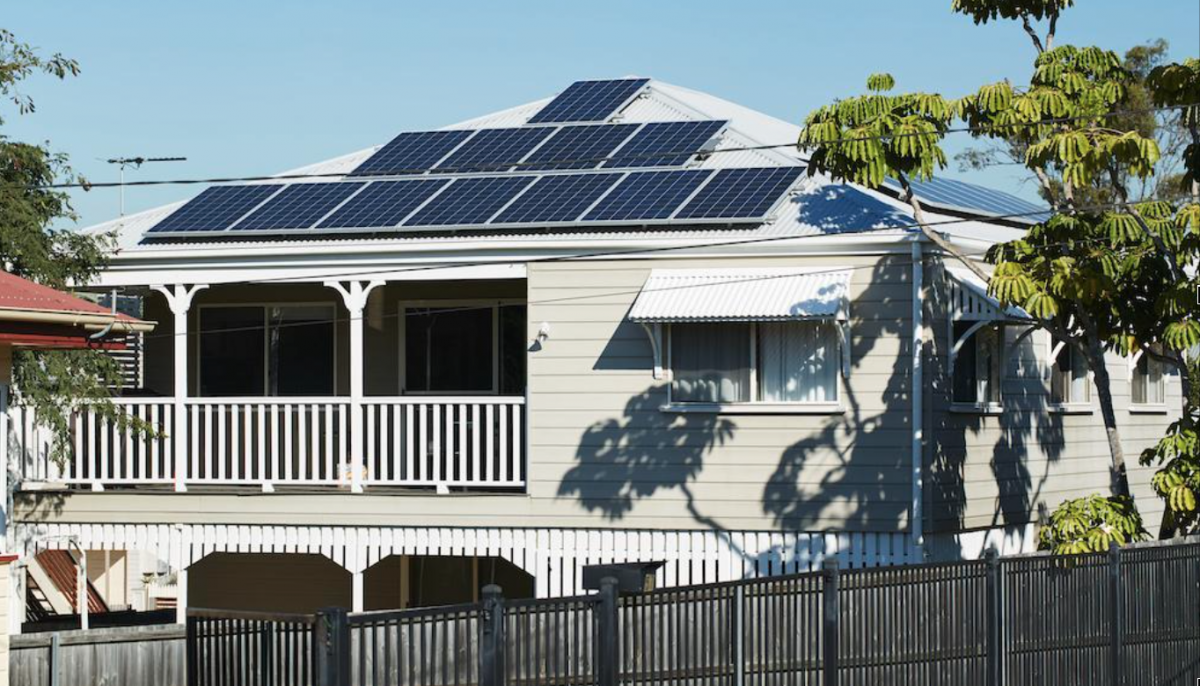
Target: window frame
[1145, 407]
[1071, 405]
[493, 303]
[1001, 359]
[266, 308]
[755, 405]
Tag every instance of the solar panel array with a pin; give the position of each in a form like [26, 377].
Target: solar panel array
[412, 152]
[298, 206]
[493, 150]
[216, 208]
[961, 195]
[665, 144]
[542, 148]
[650, 197]
[569, 166]
[589, 101]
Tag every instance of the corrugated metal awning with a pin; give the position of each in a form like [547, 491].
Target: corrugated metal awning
[751, 294]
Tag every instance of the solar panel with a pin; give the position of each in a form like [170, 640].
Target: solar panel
[494, 150]
[557, 198]
[578, 147]
[215, 208]
[297, 206]
[650, 146]
[968, 196]
[469, 201]
[740, 193]
[383, 204]
[589, 101]
[411, 152]
[648, 195]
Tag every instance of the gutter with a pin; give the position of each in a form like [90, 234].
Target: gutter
[87, 320]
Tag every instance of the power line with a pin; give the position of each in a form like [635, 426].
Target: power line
[502, 166]
[571, 258]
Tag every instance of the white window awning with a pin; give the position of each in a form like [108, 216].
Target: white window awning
[969, 299]
[738, 295]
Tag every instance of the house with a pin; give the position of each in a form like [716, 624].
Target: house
[34, 316]
[619, 323]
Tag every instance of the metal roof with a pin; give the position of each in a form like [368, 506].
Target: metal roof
[747, 294]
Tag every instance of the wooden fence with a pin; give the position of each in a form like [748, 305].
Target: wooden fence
[125, 656]
[1125, 618]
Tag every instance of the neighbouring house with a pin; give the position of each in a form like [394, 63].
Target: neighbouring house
[621, 323]
[33, 316]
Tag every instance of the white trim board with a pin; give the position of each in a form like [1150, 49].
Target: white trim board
[555, 557]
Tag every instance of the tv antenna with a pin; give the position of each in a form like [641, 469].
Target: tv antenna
[136, 163]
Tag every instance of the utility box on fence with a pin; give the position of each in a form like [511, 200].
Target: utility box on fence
[632, 577]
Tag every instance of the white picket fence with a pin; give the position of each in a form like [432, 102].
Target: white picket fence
[441, 442]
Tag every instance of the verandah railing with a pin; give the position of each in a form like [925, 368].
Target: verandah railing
[440, 442]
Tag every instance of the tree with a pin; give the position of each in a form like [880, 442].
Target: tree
[53, 383]
[1104, 273]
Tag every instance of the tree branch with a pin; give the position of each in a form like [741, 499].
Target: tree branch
[919, 215]
[1037, 41]
[1053, 28]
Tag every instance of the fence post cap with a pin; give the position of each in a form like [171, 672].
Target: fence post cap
[830, 564]
[991, 554]
[492, 591]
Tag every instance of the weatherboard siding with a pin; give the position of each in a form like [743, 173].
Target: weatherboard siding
[1014, 468]
[597, 435]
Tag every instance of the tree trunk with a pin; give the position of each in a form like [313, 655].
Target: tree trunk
[1120, 478]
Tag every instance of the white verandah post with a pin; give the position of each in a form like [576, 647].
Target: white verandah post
[179, 299]
[354, 295]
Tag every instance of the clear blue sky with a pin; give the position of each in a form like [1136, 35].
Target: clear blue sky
[243, 88]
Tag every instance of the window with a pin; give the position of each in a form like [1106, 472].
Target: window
[1149, 383]
[789, 362]
[1069, 383]
[460, 347]
[977, 367]
[267, 350]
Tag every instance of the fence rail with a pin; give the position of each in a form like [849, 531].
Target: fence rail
[1126, 618]
[412, 441]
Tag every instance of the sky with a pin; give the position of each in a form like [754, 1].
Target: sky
[253, 87]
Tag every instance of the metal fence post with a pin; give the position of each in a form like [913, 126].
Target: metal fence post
[55, 666]
[266, 645]
[331, 647]
[995, 618]
[492, 642]
[606, 629]
[739, 635]
[192, 651]
[830, 621]
[1118, 612]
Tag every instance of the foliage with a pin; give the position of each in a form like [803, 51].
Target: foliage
[1177, 480]
[983, 11]
[19, 61]
[1091, 525]
[53, 383]
[1179, 85]
[865, 139]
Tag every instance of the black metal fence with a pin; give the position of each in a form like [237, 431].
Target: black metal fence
[1128, 617]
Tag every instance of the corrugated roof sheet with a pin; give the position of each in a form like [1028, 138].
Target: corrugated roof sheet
[21, 294]
[748, 294]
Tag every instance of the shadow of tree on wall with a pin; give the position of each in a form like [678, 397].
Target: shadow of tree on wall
[852, 472]
[626, 459]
